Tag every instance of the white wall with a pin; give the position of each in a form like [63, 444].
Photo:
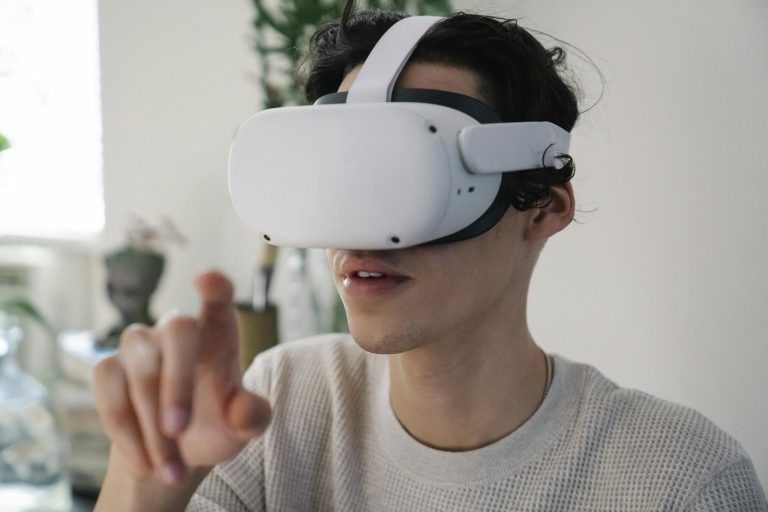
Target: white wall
[177, 80]
[664, 287]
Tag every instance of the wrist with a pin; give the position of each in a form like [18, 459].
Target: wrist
[124, 490]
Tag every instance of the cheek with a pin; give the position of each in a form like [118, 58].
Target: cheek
[455, 278]
[471, 277]
[470, 291]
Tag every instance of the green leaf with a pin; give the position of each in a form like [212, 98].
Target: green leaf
[283, 29]
[25, 309]
[4, 144]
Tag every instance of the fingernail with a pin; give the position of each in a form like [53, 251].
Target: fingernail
[171, 473]
[175, 419]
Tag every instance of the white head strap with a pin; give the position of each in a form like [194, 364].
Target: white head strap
[379, 73]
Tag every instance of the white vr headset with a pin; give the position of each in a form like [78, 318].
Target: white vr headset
[374, 168]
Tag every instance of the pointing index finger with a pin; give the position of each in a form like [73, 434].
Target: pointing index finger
[217, 293]
[219, 336]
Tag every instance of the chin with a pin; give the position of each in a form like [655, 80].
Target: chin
[383, 339]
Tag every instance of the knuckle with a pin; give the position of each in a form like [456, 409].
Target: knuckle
[134, 331]
[179, 328]
[133, 335]
[140, 355]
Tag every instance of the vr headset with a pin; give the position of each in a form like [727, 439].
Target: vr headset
[376, 168]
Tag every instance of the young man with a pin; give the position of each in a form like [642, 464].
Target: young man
[440, 399]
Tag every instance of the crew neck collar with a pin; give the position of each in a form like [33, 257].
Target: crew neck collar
[498, 459]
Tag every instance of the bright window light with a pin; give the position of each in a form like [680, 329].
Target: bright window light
[50, 112]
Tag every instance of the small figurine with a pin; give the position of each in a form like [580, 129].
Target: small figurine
[133, 273]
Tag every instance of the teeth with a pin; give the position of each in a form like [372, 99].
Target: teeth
[369, 274]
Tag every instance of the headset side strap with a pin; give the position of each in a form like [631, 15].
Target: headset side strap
[377, 77]
[504, 147]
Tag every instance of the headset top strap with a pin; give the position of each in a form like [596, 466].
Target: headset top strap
[377, 77]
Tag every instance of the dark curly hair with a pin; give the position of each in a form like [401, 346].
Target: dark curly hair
[519, 78]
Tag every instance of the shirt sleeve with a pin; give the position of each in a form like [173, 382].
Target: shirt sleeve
[214, 495]
[735, 488]
[219, 493]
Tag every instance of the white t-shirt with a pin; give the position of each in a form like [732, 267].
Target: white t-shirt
[335, 444]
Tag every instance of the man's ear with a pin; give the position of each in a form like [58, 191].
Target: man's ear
[553, 218]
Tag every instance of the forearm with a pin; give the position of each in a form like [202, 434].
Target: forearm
[121, 492]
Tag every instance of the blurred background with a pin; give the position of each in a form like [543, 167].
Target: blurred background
[117, 117]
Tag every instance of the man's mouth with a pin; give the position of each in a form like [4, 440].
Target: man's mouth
[364, 275]
[369, 277]
[370, 284]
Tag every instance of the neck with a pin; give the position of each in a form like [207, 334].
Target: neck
[468, 390]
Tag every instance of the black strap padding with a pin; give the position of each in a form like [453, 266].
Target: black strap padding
[467, 104]
[484, 223]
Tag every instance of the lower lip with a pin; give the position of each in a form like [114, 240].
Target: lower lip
[365, 287]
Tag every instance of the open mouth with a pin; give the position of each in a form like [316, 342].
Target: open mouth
[363, 275]
[369, 275]
[369, 283]
[372, 276]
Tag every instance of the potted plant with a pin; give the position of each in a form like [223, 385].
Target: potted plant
[133, 273]
[282, 34]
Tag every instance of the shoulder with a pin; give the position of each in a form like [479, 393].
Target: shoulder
[667, 443]
[664, 427]
[321, 361]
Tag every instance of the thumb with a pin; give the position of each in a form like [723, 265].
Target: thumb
[248, 414]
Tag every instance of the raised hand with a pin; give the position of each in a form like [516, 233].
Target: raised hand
[171, 399]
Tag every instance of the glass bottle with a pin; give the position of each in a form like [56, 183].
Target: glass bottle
[32, 474]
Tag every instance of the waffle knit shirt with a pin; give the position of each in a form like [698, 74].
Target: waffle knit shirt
[335, 444]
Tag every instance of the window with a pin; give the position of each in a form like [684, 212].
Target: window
[51, 177]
